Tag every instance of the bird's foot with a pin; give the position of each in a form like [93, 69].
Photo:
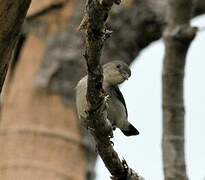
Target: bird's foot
[112, 143]
[106, 98]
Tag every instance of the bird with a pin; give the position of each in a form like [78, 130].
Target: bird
[115, 73]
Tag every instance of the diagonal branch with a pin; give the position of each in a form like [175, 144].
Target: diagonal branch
[96, 14]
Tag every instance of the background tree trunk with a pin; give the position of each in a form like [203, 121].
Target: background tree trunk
[39, 136]
[177, 37]
[12, 14]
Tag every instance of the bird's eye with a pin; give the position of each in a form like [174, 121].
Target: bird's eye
[118, 66]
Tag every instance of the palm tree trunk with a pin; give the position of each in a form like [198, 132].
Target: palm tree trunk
[39, 136]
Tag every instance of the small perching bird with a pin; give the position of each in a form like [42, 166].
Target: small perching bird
[115, 73]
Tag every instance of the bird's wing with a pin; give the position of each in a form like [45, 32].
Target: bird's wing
[119, 95]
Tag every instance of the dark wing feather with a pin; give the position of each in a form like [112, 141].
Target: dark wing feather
[118, 94]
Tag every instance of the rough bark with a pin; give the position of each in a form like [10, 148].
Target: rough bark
[96, 33]
[178, 35]
[39, 136]
[12, 14]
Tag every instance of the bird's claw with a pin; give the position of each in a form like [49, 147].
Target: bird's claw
[112, 143]
[111, 136]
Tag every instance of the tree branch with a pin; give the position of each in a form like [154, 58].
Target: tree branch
[12, 14]
[177, 37]
[101, 129]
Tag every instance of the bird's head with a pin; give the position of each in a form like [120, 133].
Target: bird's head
[116, 72]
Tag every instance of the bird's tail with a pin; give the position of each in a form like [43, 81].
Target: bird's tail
[130, 131]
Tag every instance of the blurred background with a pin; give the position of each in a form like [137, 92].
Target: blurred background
[40, 137]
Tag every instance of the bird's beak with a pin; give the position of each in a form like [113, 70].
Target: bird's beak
[125, 75]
